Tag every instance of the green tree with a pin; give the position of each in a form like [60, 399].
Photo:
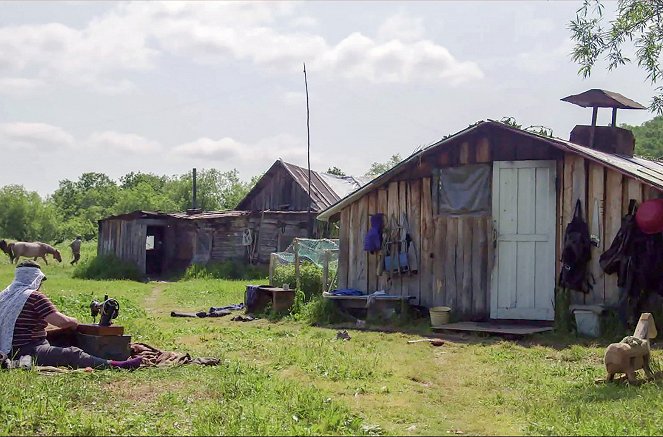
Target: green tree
[648, 137]
[132, 179]
[25, 216]
[216, 190]
[637, 21]
[144, 196]
[336, 171]
[377, 168]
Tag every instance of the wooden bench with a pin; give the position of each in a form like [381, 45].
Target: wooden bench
[375, 305]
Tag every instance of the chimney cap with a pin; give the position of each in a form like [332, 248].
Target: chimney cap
[597, 98]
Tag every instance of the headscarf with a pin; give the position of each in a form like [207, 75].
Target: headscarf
[27, 279]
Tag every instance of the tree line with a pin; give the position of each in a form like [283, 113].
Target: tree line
[76, 206]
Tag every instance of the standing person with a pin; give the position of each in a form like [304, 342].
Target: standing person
[76, 249]
[24, 314]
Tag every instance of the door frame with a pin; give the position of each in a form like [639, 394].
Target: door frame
[494, 283]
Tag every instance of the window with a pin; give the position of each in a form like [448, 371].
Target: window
[463, 190]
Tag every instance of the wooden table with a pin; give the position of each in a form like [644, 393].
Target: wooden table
[279, 298]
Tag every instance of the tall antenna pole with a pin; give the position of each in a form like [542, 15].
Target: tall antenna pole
[194, 189]
[308, 155]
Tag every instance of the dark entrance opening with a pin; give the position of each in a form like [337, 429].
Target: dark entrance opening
[154, 250]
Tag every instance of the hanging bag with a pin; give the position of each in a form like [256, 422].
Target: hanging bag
[576, 253]
[614, 259]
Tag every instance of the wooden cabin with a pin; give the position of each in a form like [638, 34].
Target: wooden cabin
[487, 209]
[270, 216]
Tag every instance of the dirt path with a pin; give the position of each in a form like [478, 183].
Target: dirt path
[151, 300]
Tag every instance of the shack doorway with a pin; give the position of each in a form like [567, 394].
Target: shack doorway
[154, 250]
[524, 205]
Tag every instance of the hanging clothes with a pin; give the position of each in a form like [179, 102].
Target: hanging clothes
[373, 238]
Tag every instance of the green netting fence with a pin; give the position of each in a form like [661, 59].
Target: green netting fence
[322, 253]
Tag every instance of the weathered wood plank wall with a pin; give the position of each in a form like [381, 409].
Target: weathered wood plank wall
[427, 255]
[123, 239]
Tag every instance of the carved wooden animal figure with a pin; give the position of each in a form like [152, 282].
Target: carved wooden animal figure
[34, 250]
[632, 353]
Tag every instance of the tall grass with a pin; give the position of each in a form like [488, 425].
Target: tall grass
[231, 269]
[310, 278]
[106, 267]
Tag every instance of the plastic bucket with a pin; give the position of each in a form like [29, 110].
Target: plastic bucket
[439, 315]
[588, 323]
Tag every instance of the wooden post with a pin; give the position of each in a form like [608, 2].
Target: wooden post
[646, 327]
[296, 246]
[272, 267]
[325, 271]
[614, 117]
[595, 112]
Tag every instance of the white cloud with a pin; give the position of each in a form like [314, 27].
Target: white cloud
[44, 137]
[205, 148]
[257, 155]
[19, 86]
[358, 56]
[90, 56]
[121, 142]
[402, 27]
[132, 37]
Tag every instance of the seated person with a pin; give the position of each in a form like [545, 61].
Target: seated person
[24, 314]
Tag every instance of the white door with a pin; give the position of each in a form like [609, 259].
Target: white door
[523, 277]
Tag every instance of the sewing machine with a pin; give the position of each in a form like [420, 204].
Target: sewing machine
[104, 339]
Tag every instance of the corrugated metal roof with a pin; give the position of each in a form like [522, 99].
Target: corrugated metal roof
[326, 189]
[602, 99]
[176, 215]
[646, 170]
[322, 195]
[207, 215]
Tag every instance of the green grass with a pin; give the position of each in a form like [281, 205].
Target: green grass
[288, 377]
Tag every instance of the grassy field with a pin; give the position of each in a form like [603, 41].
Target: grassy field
[289, 378]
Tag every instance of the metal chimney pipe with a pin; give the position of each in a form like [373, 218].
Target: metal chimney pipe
[194, 187]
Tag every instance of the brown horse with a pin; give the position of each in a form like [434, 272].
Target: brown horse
[33, 250]
[6, 249]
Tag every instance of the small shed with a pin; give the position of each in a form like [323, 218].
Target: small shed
[486, 210]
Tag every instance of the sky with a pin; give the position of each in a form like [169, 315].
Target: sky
[165, 87]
